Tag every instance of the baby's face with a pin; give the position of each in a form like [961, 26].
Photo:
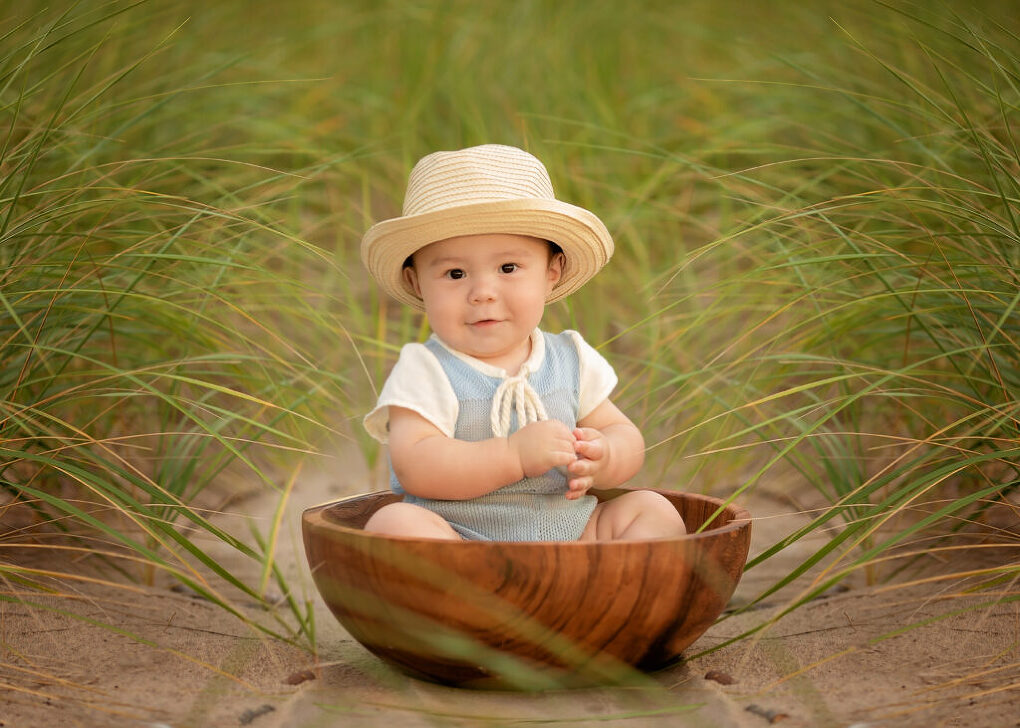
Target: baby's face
[484, 294]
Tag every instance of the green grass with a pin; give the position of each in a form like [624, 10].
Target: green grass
[816, 277]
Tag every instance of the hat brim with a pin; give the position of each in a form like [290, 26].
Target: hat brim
[585, 241]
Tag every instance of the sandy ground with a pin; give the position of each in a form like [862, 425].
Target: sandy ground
[94, 655]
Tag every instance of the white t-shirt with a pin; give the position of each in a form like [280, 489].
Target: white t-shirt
[419, 383]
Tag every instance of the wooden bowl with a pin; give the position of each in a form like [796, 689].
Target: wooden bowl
[530, 615]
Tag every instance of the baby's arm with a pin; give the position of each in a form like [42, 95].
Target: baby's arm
[610, 450]
[429, 464]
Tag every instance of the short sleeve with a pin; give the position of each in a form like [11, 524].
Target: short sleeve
[417, 383]
[597, 378]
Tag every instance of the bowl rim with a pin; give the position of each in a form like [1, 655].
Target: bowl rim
[316, 518]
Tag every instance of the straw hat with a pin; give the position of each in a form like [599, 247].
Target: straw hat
[487, 189]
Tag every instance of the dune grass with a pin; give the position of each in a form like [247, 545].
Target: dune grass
[816, 277]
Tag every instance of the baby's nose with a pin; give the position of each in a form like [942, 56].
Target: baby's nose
[483, 290]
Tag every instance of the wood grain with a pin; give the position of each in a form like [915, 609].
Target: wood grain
[526, 615]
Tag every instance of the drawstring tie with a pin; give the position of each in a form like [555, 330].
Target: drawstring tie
[516, 394]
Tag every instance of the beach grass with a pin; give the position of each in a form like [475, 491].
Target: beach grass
[815, 282]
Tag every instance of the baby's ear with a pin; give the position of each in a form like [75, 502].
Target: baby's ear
[411, 279]
[557, 262]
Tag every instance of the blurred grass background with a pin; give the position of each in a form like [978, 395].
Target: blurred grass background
[815, 283]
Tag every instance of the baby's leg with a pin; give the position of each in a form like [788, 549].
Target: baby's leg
[634, 515]
[405, 519]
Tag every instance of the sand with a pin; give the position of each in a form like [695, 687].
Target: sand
[100, 655]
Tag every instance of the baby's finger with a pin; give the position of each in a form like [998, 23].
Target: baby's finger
[581, 467]
[591, 449]
[565, 464]
[576, 487]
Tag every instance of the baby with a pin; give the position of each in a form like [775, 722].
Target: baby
[496, 429]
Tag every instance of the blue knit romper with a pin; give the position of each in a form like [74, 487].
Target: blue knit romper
[532, 509]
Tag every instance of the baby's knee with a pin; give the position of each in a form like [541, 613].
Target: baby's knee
[406, 519]
[660, 517]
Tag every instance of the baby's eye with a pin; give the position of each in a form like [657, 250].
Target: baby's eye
[455, 273]
[508, 267]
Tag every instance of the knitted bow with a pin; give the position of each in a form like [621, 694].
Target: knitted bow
[515, 392]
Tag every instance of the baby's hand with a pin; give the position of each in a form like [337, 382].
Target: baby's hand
[542, 446]
[592, 451]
